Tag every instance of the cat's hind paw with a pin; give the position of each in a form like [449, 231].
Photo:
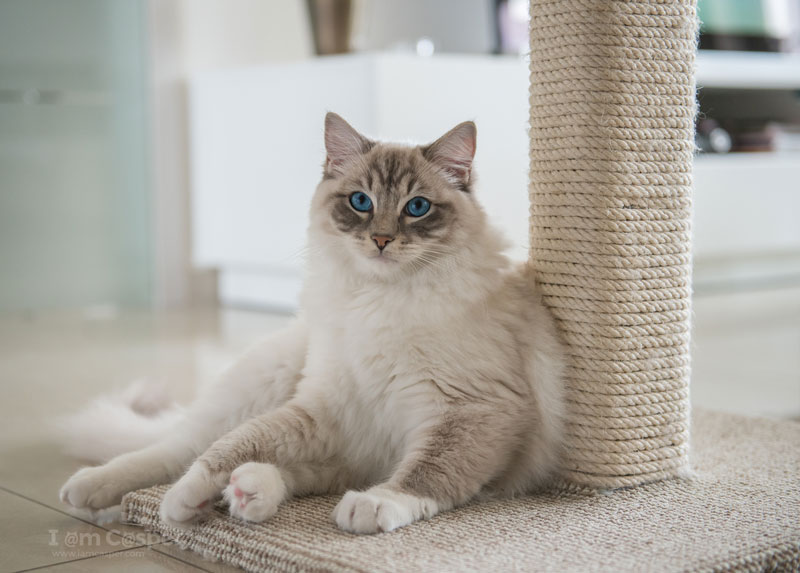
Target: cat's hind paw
[93, 488]
[189, 498]
[379, 509]
[255, 491]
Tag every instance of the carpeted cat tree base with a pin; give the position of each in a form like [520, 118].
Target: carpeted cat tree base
[740, 512]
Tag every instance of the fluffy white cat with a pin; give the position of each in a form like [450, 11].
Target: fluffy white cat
[423, 370]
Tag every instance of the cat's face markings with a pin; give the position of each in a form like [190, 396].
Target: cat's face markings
[345, 217]
[399, 206]
[410, 204]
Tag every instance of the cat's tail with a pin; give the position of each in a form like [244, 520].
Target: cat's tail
[118, 423]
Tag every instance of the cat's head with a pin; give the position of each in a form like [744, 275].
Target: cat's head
[393, 208]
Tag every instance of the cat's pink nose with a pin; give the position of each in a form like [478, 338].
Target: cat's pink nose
[382, 240]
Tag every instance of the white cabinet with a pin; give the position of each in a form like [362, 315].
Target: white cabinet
[748, 70]
[257, 151]
[746, 203]
[746, 221]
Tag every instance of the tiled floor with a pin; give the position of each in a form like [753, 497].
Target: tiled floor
[746, 359]
[52, 365]
[746, 353]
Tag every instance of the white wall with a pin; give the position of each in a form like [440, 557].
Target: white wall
[188, 37]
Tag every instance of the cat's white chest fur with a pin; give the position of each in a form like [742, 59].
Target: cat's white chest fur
[375, 380]
[422, 364]
[383, 365]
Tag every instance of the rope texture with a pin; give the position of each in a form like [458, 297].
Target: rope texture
[612, 114]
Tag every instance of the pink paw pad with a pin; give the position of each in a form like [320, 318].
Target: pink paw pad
[237, 492]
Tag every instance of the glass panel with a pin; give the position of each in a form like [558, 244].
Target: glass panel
[74, 188]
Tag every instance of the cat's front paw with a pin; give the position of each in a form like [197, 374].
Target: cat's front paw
[190, 498]
[93, 488]
[379, 509]
[255, 491]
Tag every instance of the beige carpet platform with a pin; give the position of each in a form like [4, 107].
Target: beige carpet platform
[740, 512]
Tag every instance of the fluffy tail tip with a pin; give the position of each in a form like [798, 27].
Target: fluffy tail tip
[117, 423]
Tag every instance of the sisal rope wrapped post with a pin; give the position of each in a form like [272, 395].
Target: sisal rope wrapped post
[612, 115]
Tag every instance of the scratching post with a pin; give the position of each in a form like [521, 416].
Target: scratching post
[611, 124]
[612, 108]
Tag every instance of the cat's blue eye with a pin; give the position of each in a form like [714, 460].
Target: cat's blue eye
[361, 201]
[418, 206]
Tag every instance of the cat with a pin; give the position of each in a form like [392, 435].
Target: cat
[422, 372]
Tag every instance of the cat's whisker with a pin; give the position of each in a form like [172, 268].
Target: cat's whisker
[301, 253]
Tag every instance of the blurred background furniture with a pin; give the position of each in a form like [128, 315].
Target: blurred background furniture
[747, 205]
[113, 198]
[274, 115]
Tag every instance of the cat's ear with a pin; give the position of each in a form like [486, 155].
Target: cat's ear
[343, 144]
[454, 151]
